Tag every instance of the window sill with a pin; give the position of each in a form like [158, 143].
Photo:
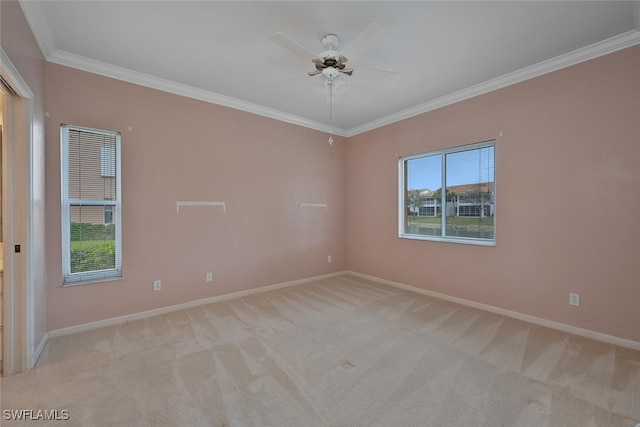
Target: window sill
[463, 241]
[91, 281]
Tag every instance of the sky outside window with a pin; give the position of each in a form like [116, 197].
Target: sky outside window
[463, 167]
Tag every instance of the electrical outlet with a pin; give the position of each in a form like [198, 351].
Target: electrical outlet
[157, 285]
[574, 299]
[209, 277]
[329, 258]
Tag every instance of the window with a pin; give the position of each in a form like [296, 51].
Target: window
[91, 220]
[465, 211]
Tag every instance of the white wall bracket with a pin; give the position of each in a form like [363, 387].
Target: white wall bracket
[314, 205]
[183, 204]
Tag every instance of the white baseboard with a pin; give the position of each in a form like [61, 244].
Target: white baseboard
[163, 310]
[587, 333]
[38, 350]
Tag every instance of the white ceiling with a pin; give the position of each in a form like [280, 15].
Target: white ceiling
[220, 52]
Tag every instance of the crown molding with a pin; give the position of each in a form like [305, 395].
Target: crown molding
[124, 74]
[35, 15]
[37, 20]
[13, 78]
[593, 51]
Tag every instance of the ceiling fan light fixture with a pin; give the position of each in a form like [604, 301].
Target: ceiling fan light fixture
[330, 73]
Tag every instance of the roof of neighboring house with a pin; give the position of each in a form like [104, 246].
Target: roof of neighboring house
[464, 188]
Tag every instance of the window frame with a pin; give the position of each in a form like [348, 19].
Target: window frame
[402, 193]
[94, 276]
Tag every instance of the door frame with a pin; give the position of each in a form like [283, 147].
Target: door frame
[17, 195]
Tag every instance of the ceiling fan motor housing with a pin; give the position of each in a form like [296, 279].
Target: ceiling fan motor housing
[330, 43]
[330, 63]
[330, 55]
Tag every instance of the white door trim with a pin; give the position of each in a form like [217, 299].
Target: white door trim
[18, 296]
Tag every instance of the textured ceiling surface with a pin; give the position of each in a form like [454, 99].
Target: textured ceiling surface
[221, 51]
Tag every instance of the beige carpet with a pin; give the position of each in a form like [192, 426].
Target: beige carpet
[337, 352]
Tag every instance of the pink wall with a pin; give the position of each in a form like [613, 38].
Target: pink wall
[567, 178]
[568, 173]
[180, 149]
[20, 46]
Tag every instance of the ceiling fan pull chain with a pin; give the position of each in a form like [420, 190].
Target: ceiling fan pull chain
[330, 115]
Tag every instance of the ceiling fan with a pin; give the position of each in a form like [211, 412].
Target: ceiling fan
[331, 62]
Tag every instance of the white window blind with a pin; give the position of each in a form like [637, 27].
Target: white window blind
[91, 220]
[108, 160]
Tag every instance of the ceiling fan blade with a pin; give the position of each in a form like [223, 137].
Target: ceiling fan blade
[348, 71]
[375, 76]
[364, 41]
[287, 87]
[338, 88]
[292, 46]
[313, 73]
[377, 70]
[285, 81]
